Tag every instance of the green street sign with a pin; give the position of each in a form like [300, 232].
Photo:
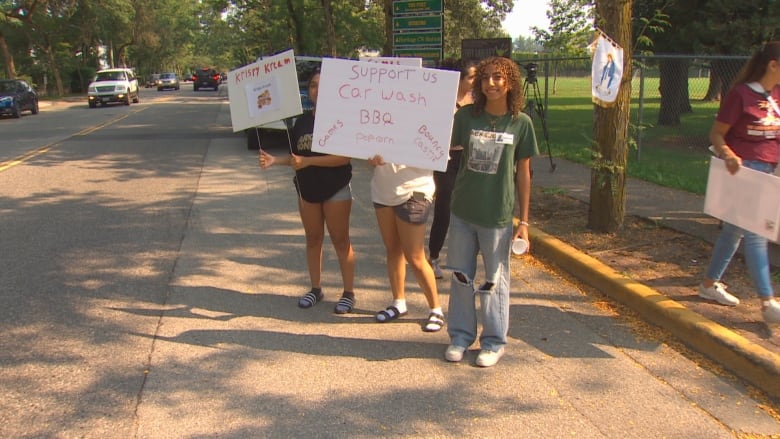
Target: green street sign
[423, 22]
[416, 6]
[417, 39]
[426, 53]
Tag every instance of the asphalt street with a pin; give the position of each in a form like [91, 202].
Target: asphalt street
[227, 353]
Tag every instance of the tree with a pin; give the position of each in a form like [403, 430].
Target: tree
[610, 128]
[570, 30]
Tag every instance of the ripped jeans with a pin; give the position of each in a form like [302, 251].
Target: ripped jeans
[466, 241]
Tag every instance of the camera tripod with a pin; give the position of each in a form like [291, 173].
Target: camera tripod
[534, 105]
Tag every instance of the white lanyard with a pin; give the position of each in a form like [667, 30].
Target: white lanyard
[756, 87]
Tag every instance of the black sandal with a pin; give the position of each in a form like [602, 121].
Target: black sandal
[388, 314]
[345, 305]
[309, 299]
[434, 323]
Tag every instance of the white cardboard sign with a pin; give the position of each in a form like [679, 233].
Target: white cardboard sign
[397, 60]
[264, 91]
[748, 199]
[402, 113]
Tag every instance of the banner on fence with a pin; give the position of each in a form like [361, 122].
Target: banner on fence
[606, 70]
[748, 199]
[402, 113]
[264, 91]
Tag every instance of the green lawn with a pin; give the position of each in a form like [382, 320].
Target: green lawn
[670, 156]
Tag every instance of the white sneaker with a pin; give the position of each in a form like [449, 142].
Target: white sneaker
[436, 269]
[718, 293]
[771, 312]
[488, 358]
[454, 353]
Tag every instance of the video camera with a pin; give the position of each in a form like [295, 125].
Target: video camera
[531, 69]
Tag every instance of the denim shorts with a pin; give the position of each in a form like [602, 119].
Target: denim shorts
[344, 194]
[415, 210]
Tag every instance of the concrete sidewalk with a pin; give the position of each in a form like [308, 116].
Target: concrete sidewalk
[731, 341]
[235, 357]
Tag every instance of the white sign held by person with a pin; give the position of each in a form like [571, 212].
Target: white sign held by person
[264, 91]
[402, 113]
[397, 60]
[748, 199]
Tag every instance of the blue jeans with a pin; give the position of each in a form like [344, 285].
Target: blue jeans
[755, 248]
[466, 241]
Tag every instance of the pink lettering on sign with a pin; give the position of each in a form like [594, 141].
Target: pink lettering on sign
[337, 125]
[348, 91]
[371, 138]
[270, 67]
[428, 144]
[379, 73]
[253, 72]
[399, 96]
[375, 117]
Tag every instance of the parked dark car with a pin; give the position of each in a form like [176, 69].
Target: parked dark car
[16, 96]
[205, 77]
[167, 80]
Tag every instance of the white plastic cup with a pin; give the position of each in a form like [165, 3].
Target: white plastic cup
[519, 246]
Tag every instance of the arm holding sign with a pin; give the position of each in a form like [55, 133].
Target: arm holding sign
[718, 139]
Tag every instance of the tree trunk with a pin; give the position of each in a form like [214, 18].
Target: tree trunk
[610, 128]
[388, 49]
[726, 71]
[674, 91]
[10, 68]
[296, 29]
[714, 87]
[331, 30]
[55, 70]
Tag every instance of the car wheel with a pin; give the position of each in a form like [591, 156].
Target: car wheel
[92, 105]
[195, 88]
[137, 98]
[17, 110]
[159, 89]
[34, 109]
[127, 100]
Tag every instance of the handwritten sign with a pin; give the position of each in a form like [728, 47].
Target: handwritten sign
[263, 92]
[402, 113]
[396, 60]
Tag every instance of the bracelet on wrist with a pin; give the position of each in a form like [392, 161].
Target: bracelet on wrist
[524, 223]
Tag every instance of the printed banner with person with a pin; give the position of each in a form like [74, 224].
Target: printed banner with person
[606, 70]
[402, 113]
[264, 91]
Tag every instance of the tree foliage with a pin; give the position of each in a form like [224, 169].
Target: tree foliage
[59, 41]
[571, 27]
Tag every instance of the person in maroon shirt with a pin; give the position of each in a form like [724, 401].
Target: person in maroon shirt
[746, 133]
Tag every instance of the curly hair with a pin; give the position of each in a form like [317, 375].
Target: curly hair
[509, 69]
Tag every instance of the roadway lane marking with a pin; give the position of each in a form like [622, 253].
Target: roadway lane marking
[44, 149]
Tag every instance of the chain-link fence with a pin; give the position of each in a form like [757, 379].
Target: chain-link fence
[674, 98]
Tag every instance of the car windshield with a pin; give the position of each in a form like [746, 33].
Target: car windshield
[168, 75]
[7, 86]
[110, 76]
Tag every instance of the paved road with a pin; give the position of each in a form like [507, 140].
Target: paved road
[223, 351]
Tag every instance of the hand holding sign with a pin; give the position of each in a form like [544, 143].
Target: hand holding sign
[403, 113]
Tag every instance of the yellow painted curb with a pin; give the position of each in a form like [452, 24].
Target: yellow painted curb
[747, 360]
